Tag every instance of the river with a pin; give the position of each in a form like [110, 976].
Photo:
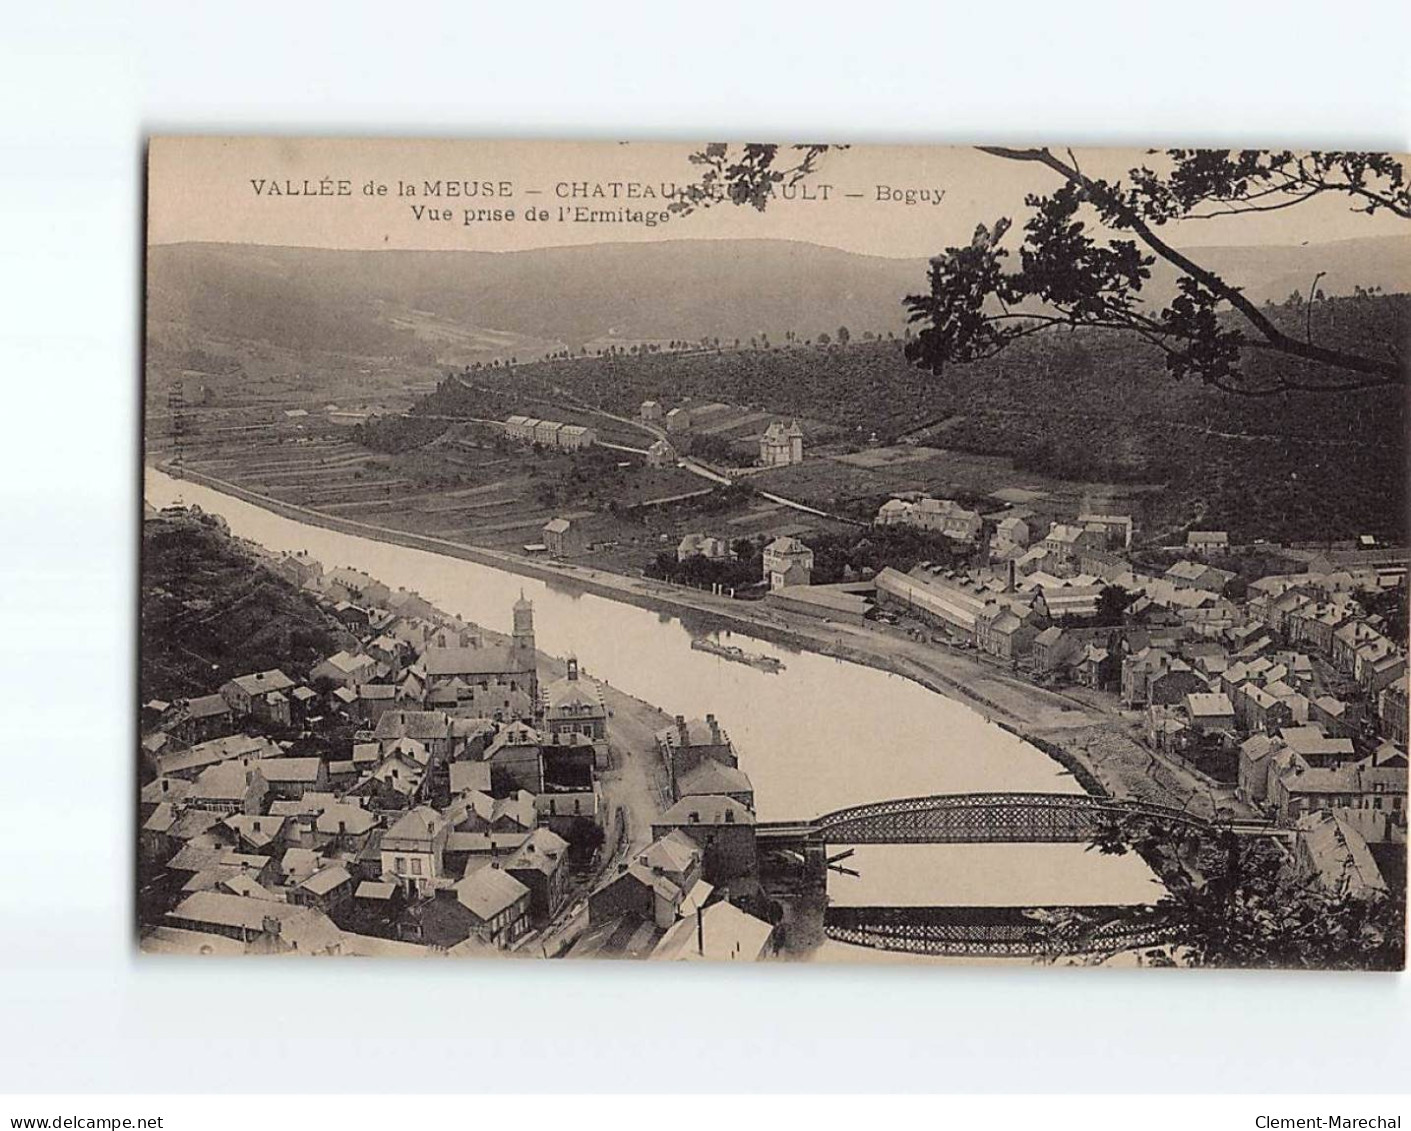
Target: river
[821, 734]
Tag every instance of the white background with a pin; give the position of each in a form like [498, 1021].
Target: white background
[80, 85]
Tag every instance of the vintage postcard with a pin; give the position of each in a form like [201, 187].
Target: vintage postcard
[772, 552]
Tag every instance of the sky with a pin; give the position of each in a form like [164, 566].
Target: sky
[222, 190]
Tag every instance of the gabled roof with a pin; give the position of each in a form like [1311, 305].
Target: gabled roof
[326, 879]
[714, 777]
[290, 769]
[258, 683]
[720, 933]
[488, 891]
[706, 809]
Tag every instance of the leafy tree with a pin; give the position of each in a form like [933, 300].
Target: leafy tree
[1089, 245]
[584, 838]
[1237, 901]
[1112, 602]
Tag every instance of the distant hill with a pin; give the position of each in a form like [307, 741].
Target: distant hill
[457, 306]
[1090, 405]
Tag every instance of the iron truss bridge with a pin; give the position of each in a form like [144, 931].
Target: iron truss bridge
[987, 818]
[999, 932]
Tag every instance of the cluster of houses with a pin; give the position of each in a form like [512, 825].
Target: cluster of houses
[669, 900]
[939, 516]
[780, 445]
[421, 791]
[1287, 684]
[550, 433]
[443, 820]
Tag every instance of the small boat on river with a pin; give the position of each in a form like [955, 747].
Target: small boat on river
[738, 655]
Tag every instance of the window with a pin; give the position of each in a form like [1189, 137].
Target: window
[401, 865]
[416, 866]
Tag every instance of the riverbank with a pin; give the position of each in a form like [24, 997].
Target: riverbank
[1100, 742]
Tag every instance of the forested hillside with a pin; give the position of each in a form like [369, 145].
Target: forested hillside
[1088, 405]
[210, 612]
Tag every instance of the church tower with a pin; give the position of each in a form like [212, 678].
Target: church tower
[524, 633]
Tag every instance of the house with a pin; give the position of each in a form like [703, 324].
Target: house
[938, 516]
[650, 411]
[373, 700]
[261, 925]
[1331, 851]
[354, 617]
[497, 905]
[1197, 575]
[713, 777]
[290, 778]
[1255, 759]
[702, 545]
[1001, 631]
[562, 537]
[201, 719]
[720, 932]
[574, 705]
[344, 669]
[431, 729]
[1065, 541]
[576, 437]
[1115, 530]
[1011, 532]
[781, 446]
[413, 849]
[546, 433]
[686, 745]
[654, 885]
[722, 827]
[236, 786]
[1316, 748]
[678, 420]
[344, 827]
[1210, 710]
[661, 454]
[1098, 668]
[541, 865]
[245, 693]
[1392, 711]
[1295, 788]
[516, 759]
[356, 587]
[469, 777]
[257, 834]
[326, 890]
[477, 812]
[1208, 541]
[787, 561]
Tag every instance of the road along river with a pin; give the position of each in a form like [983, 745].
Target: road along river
[821, 734]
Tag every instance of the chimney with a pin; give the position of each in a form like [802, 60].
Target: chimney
[681, 728]
[700, 931]
[573, 667]
[714, 729]
[1009, 576]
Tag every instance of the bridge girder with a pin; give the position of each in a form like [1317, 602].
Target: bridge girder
[979, 818]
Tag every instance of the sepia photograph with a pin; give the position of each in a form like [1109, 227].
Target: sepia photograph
[728, 566]
[773, 553]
